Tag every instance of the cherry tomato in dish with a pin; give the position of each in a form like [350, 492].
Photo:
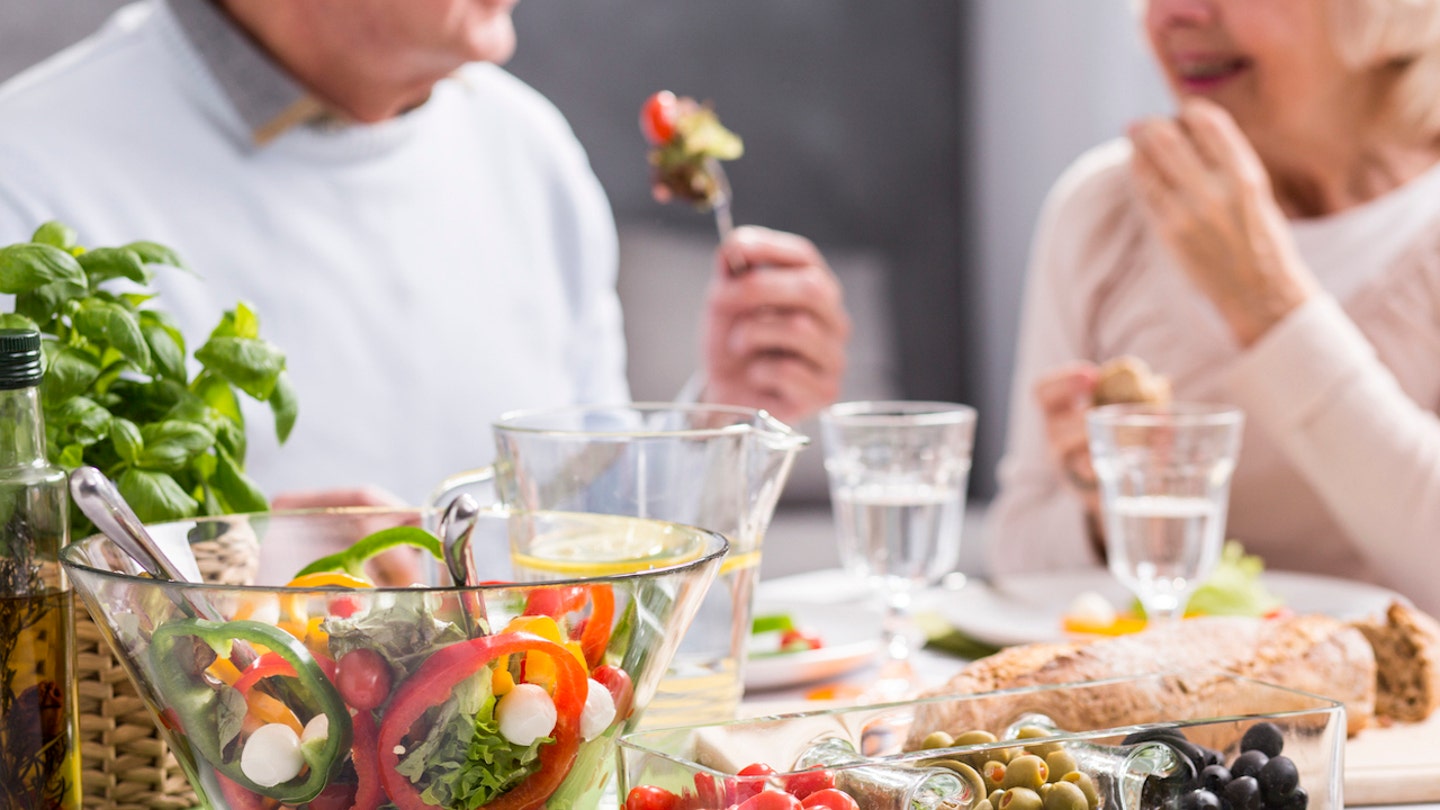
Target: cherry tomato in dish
[771, 800]
[363, 678]
[336, 796]
[830, 799]
[796, 640]
[650, 797]
[802, 784]
[751, 780]
[657, 118]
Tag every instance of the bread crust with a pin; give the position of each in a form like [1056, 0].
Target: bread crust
[1407, 660]
[1127, 379]
[1315, 654]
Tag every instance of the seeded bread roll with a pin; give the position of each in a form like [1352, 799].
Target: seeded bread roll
[1407, 663]
[1129, 379]
[1315, 654]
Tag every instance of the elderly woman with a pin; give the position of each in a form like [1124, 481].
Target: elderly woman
[1275, 245]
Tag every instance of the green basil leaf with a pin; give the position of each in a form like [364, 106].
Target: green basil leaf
[68, 372]
[71, 457]
[167, 346]
[81, 419]
[44, 303]
[240, 322]
[153, 253]
[111, 324]
[171, 444]
[216, 392]
[27, 266]
[231, 437]
[155, 496]
[55, 234]
[103, 264]
[250, 364]
[12, 320]
[127, 439]
[236, 489]
[285, 405]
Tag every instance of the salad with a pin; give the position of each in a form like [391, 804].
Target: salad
[1234, 588]
[778, 634]
[687, 141]
[375, 700]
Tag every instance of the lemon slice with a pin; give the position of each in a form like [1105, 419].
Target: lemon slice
[614, 545]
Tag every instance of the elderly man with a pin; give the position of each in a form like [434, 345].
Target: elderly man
[419, 230]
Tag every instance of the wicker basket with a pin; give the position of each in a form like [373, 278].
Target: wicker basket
[125, 765]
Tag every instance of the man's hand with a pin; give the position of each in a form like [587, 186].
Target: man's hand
[775, 327]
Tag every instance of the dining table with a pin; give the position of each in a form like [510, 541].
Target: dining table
[1395, 767]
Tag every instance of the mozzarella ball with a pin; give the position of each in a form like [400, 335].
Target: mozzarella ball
[271, 755]
[599, 711]
[317, 729]
[525, 714]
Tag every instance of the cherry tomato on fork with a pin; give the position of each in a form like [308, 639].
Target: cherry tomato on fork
[657, 118]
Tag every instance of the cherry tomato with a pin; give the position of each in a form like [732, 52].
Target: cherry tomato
[750, 781]
[621, 689]
[363, 678]
[802, 784]
[830, 799]
[771, 800]
[650, 797]
[794, 640]
[657, 118]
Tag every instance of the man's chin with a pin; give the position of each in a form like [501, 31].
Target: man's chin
[494, 41]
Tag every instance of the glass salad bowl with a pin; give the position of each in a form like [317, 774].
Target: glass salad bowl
[310, 686]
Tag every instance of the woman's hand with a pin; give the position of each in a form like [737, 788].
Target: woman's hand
[1210, 199]
[776, 326]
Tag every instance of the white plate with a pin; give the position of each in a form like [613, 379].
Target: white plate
[851, 633]
[1028, 608]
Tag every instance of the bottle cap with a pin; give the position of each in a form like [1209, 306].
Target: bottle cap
[20, 358]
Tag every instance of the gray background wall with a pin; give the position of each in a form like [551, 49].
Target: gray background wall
[913, 141]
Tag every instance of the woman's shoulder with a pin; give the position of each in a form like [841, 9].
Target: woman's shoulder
[1096, 183]
[1091, 216]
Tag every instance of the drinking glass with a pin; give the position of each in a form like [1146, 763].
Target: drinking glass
[898, 473]
[1164, 474]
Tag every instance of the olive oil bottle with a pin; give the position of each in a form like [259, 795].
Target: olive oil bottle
[39, 760]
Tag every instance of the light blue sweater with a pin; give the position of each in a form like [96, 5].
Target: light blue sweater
[423, 275]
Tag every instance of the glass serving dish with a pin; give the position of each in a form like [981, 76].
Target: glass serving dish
[332, 694]
[1133, 743]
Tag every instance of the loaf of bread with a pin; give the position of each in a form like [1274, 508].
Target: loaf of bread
[1314, 654]
[1406, 644]
[1129, 379]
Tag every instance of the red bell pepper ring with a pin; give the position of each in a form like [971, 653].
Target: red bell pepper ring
[365, 756]
[594, 635]
[431, 685]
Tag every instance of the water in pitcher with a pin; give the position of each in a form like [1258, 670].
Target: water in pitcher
[899, 536]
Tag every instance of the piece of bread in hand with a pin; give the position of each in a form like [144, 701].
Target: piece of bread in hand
[1311, 653]
[1407, 662]
[1129, 379]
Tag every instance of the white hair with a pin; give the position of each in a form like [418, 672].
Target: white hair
[1402, 33]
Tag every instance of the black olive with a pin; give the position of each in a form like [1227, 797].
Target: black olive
[1198, 800]
[1277, 779]
[1264, 737]
[1297, 800]
[1249, 764]
[1243, 793]
[1214, 778]
[1212, 757]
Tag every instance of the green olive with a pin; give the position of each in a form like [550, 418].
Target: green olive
[994, 797]
[976, 737]
[1020, 798]
[937, 739]
[977, 759]
[1060, 762]
[1035, 732]
[994, 773]
[1066, 796]
[983, 804]
[1083, 781]
[1026, 771]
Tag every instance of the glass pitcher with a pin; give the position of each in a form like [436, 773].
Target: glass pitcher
[717, 467]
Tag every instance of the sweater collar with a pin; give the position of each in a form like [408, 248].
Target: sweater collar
[267, 99]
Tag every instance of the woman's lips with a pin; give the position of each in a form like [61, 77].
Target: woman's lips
[1199, 75]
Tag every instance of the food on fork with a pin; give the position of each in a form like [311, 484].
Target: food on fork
[1129, 379]
[687, 141]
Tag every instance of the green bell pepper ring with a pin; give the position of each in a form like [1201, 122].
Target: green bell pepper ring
[209, 715]
[352, 560]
